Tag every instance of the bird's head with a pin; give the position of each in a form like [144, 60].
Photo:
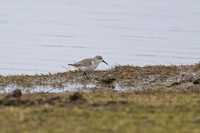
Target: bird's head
[100, 59]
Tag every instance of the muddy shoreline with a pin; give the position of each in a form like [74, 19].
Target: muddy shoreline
[121, 99]
[119, 78]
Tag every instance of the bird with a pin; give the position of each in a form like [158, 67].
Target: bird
[88, 64]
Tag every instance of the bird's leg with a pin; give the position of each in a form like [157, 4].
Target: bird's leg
[85, 75]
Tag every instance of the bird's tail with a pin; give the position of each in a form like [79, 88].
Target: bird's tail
[70, 64]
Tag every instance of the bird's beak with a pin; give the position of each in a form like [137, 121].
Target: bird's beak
[104, 62]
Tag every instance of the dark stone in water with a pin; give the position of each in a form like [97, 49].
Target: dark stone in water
[107, 78]
[175, 83]
[197, 81]
[16, 93]
[76, 96]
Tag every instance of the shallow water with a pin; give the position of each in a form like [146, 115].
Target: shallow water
[69, 87]
[41, 36]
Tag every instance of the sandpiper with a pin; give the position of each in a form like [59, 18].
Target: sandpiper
[88, 64]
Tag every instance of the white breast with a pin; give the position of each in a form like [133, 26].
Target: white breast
[90, 67]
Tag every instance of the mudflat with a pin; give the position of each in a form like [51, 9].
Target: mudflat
[123, 99]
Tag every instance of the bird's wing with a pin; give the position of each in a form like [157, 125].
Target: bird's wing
[85, 62]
